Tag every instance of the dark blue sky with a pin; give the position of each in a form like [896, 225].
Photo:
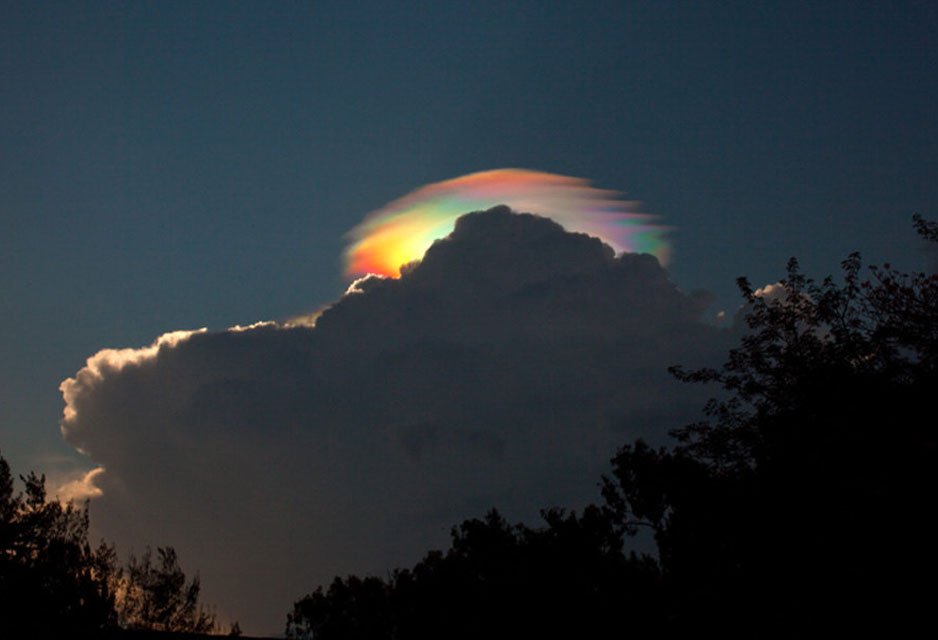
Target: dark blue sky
[170, 165]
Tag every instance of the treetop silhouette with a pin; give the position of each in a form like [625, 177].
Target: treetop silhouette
[53, 583]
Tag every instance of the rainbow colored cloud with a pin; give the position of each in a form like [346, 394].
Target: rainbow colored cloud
[401, 231]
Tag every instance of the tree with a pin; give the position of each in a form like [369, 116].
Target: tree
[53, 583]
[51, 580]
[497, 580]
[793, 504]
[154, 595]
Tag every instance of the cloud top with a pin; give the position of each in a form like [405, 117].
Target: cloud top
[401, 231]
[107, 361]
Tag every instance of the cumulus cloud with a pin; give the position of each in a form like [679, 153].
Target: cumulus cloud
[78, 487]
[503, 369]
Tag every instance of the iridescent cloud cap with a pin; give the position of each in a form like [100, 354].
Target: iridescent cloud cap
[401, 231]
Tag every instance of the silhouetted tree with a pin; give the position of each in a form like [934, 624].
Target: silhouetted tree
[53, 584]
[154, 595]
[496, 581]
[792, 506]
[51, 580]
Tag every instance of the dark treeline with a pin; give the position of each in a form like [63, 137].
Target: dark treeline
[54, 584]
[802, 505]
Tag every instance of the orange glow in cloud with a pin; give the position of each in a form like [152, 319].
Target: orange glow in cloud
[401, 231]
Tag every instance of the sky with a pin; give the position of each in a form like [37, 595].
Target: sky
[170, 166]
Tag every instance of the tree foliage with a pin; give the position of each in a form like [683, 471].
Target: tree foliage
[51, 579]
[496, 580]
[53, 583]
[154, 595]
[794, 503]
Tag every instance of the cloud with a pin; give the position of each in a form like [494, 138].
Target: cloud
[79, 487]
[503, 369]
[108, 362]
[404, 229]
